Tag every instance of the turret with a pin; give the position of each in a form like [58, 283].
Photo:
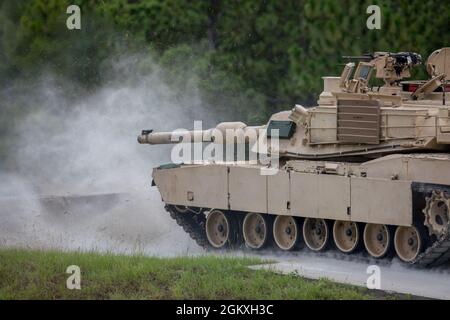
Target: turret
[353, 120]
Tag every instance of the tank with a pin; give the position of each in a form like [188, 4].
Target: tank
[367, 169]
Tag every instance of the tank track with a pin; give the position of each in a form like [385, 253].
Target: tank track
[436, 254]
[193, 223]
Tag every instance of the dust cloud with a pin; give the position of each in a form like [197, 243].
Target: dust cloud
[71, 144]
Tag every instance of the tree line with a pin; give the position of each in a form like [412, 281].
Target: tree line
[248, 58]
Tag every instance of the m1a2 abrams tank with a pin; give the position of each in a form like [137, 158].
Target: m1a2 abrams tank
[367, 168]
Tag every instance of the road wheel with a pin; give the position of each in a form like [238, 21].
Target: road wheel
[316, 234]
[219, 229]
[378, 239]
[408, 243]
[256, 229]
[286, 232]
[346, 235]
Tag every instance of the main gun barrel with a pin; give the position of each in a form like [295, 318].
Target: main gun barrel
[225, 131]
[149, 137]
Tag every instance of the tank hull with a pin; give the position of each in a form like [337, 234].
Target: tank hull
[378, 191]
[391, 191]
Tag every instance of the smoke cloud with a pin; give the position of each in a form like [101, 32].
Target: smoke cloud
[71, 144]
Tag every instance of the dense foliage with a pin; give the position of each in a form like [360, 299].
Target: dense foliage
[266, 54]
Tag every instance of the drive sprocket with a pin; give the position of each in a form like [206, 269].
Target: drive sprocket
[437, 212]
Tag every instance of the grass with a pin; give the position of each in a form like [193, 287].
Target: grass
[33, 274]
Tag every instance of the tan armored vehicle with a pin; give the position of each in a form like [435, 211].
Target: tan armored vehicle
[367, 168]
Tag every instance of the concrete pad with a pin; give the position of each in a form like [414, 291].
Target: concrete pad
[394, 277]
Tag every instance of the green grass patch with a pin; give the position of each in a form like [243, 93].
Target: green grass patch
[33, 274]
